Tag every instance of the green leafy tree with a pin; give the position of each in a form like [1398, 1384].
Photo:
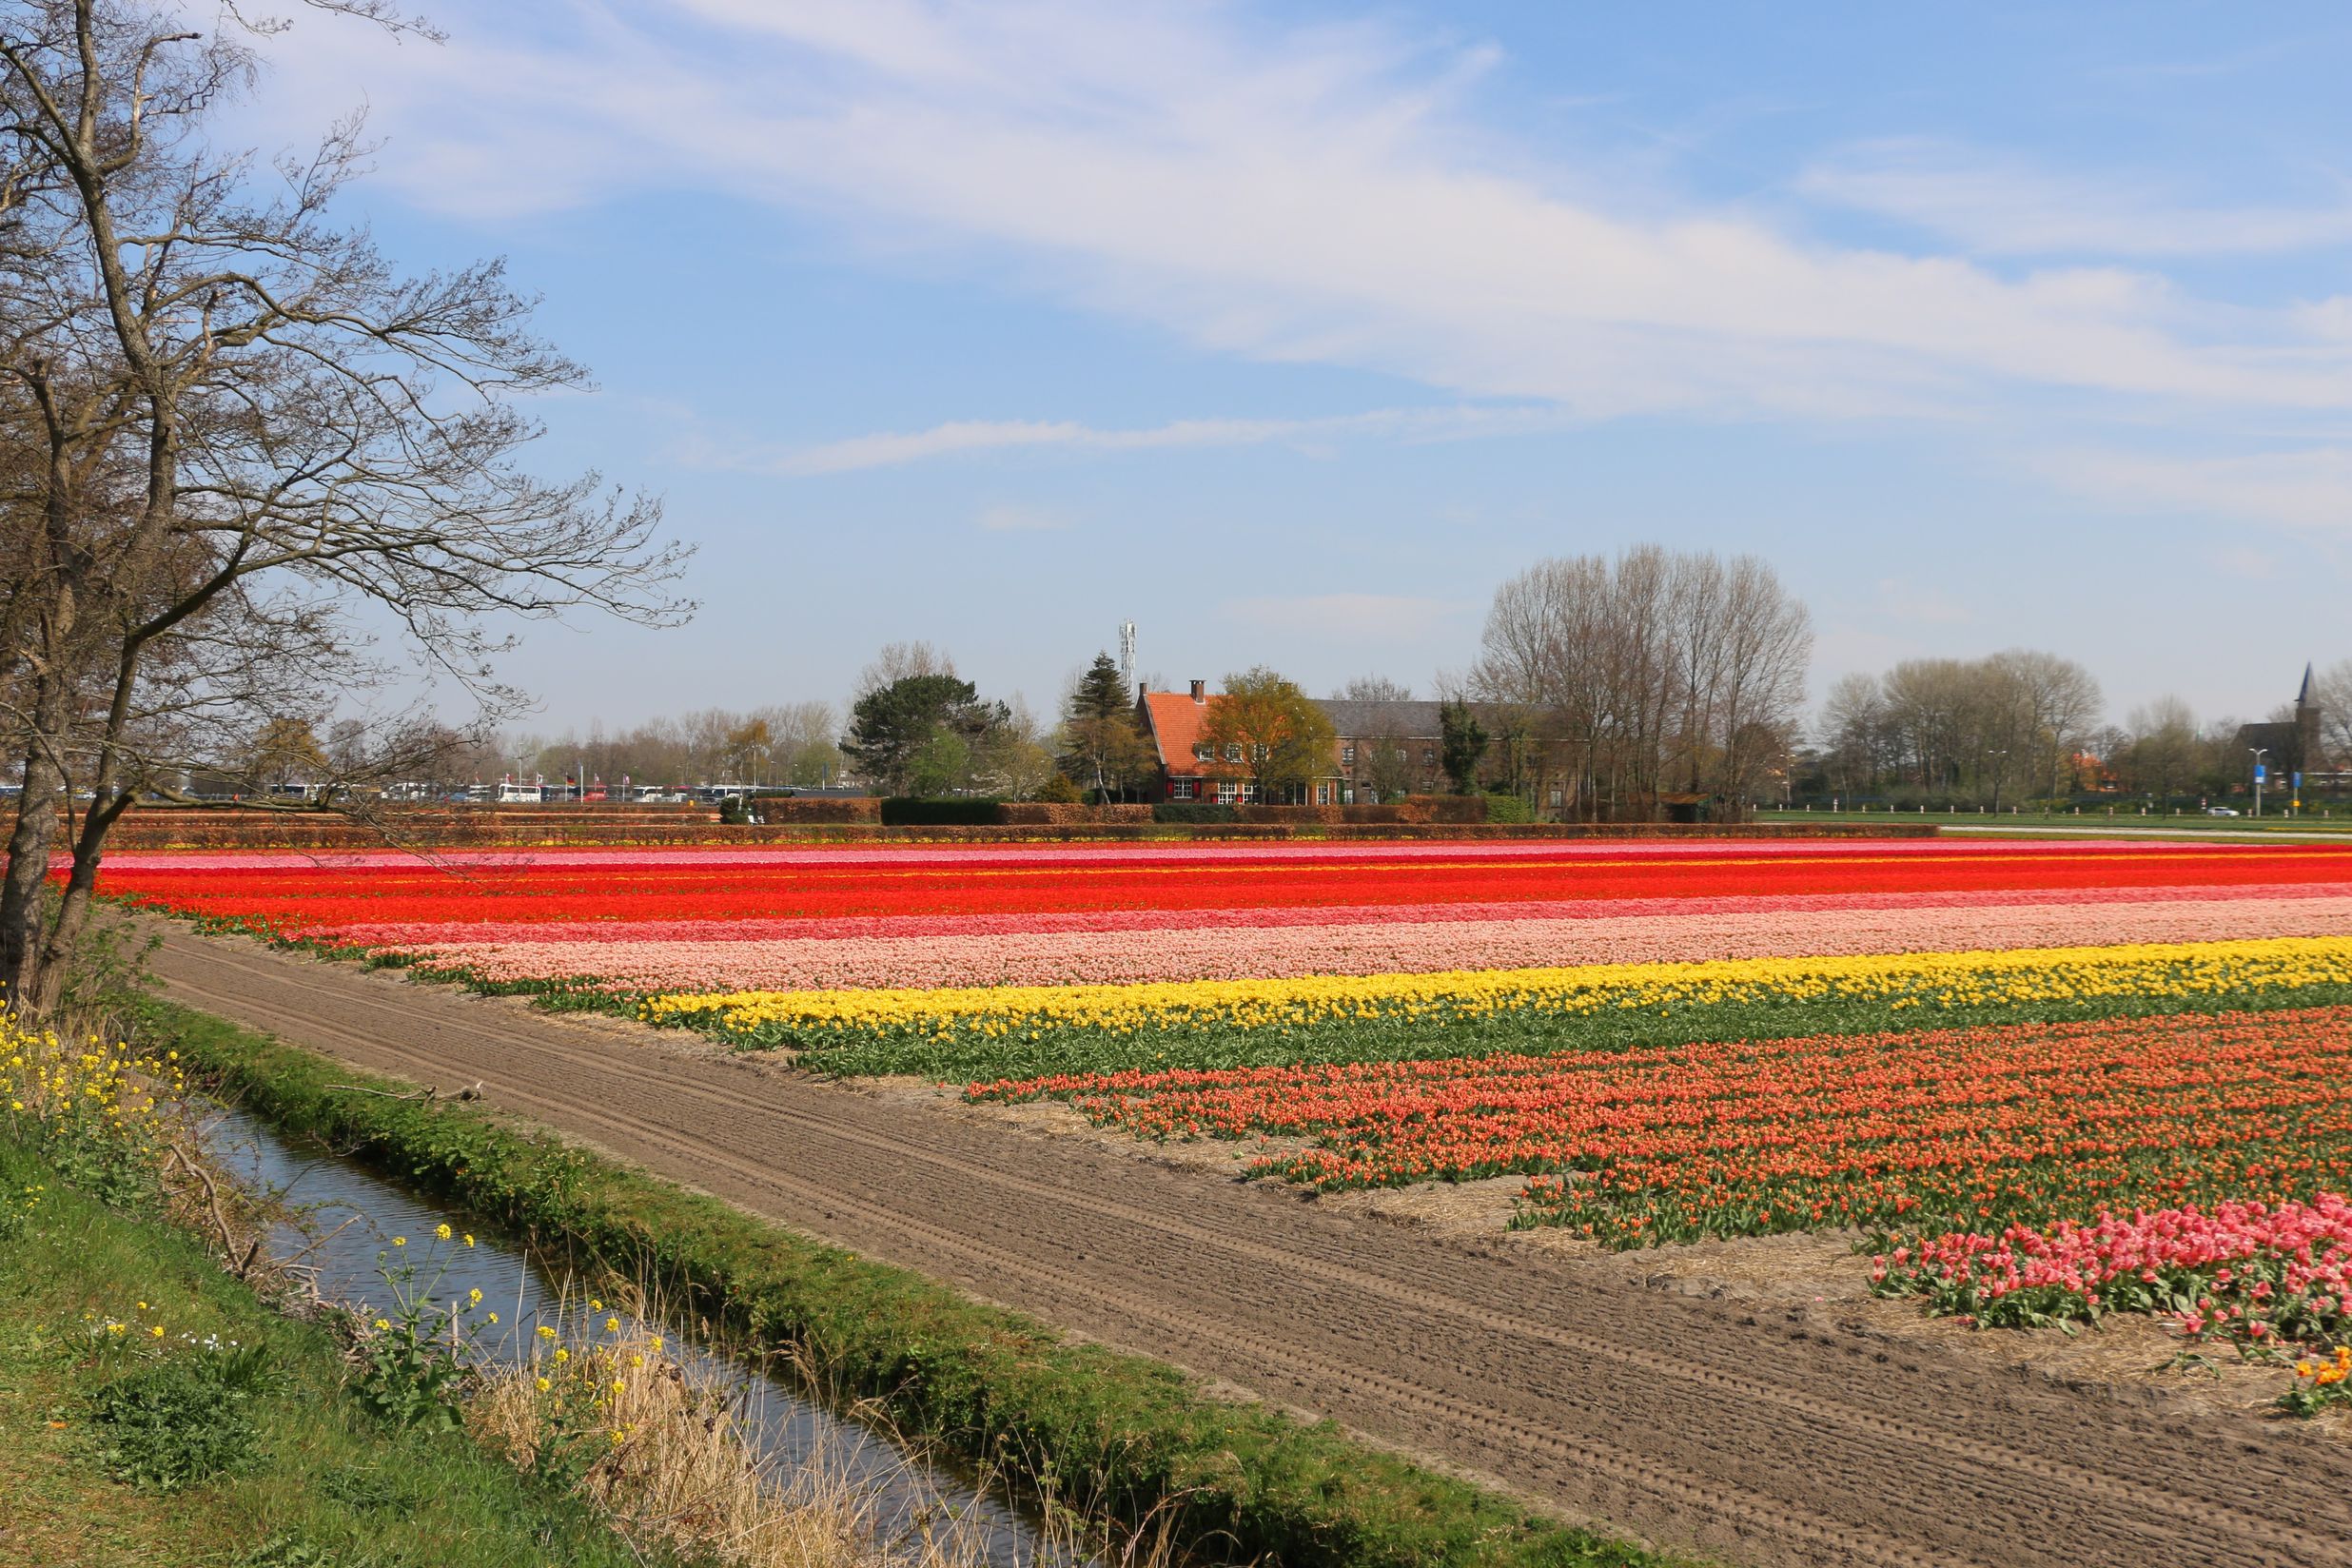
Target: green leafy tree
[1281, 736]
[1101, 744]
[1462, 745]
[915, 716]
[941, 765]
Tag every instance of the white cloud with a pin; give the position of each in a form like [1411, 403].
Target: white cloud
[2308, 490]
[1310, 196]
[2004, 208]
[890, 449]
[1005, 518]
[1394, 616]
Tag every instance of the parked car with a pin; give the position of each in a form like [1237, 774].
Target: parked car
[2221, 810]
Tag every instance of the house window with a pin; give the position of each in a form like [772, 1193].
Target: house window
[1180, 789]
[1347, 754]
[1227, 794]
[1204, 752]
[1249, 794]
[1233, 752]
[1429, 757]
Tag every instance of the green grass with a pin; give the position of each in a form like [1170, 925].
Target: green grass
[2312, 821]
[1121, 1433]
[314, 1481]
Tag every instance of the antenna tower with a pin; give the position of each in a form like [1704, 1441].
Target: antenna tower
[1126, 653]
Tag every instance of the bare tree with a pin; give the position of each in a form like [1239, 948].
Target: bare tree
[247, 423]
[2164, 755]
[2332, 689]
[1655, 673]
[899, 661]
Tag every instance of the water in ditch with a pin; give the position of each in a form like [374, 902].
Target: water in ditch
[354, 1215]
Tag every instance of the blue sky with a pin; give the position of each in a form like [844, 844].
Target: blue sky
[1289, 331]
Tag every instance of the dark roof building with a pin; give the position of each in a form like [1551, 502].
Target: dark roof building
[2290, 746]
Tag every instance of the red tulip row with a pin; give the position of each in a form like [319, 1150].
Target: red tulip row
[1933, 1131]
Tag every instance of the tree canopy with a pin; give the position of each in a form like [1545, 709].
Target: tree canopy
[921, 731]
[1283, 737]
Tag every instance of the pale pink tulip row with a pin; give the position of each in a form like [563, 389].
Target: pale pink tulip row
[1282, 951]
[410, 935]
[2243, 1270]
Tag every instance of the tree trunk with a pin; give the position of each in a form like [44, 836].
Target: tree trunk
[23, 985]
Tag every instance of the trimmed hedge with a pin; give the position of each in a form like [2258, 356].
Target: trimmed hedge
[717, 834]
[993, 1384]
[1066, 814]
[786, 808]
[902, 810]
[1191, 811]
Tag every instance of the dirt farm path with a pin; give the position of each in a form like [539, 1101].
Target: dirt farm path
[1687, 1422]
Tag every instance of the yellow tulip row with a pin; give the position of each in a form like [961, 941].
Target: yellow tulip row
[1947, 980]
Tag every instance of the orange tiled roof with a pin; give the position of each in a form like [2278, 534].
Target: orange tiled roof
[1176, 725]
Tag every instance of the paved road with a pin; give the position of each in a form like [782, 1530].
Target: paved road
[1687, 1422]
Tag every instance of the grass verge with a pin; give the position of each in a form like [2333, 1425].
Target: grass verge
[1117, 1434]
[309, 1479]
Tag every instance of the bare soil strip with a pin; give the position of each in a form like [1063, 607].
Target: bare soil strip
[1765, 1439]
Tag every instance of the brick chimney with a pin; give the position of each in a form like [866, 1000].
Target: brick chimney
[1199, 692]
[1142, 690]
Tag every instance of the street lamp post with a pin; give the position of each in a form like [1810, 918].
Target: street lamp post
[2260, 752]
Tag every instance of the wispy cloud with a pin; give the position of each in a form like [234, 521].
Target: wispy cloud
[2001, 206]
[890, 449]
[1320, 196]
[1393, 615]
[2308, 490]
[1005, 518]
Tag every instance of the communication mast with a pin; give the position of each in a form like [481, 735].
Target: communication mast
[1126, 653]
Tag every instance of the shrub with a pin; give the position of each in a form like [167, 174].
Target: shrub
[181, 1421]
[955, 810]
[1508, 808]
[1059, 791]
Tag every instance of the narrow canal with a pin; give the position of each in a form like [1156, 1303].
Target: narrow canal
[352, 1216]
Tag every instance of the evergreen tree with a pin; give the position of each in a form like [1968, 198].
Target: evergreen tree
[932, 718]
[1462, 745]
[1103, 745]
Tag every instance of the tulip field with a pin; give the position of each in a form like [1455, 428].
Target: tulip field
[1668, 1040]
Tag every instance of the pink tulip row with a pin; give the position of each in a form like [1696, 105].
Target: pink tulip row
[409, 934]
[1030, 956]
[2245, 1271]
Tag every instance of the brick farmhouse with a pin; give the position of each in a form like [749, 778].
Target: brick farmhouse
[1382, 748]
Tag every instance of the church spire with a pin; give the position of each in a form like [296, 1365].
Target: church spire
[2302, 699]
